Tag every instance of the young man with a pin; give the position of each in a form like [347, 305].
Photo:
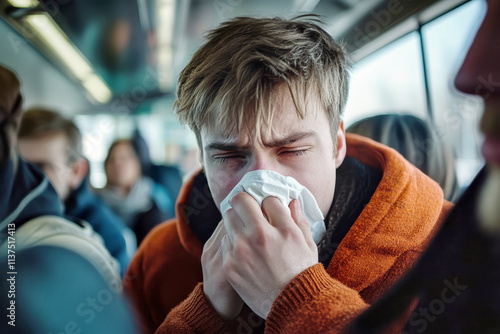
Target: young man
[267, 94]
[456, 280]
[54, 143]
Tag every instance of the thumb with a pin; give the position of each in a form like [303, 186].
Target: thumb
[301, 221]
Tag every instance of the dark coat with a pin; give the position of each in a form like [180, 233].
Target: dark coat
[456, 281]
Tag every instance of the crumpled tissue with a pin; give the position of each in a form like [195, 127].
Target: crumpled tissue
[263, 183]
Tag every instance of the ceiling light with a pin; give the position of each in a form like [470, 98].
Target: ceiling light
[97, 88]
[59, 44]
[57, 41]
[165, 31]
[23, 3]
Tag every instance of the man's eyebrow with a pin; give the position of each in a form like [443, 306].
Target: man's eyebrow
[291, 139]
[221, 146]
[224, 146]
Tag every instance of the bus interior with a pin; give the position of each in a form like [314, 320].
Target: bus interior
[112, 65]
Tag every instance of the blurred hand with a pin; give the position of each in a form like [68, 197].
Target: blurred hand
[218, 291]
[261, 257]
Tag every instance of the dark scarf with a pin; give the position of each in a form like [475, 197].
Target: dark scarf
[355, 185]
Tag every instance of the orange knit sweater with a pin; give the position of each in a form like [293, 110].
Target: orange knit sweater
[403, 215]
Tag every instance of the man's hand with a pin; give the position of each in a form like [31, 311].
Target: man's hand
[218, 291]
[260, 257]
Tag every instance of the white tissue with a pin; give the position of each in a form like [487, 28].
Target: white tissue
[263, 183]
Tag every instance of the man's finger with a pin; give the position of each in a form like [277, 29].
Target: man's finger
[301, 221]
[233, 224]
[275, 211]
[248, 210]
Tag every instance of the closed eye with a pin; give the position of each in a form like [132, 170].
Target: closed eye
[225, 158]
[295, 152]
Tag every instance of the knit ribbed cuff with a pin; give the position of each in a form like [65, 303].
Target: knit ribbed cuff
[199, 314]
[298, 292]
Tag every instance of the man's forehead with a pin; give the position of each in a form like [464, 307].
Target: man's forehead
[245, 134]
[282, 125]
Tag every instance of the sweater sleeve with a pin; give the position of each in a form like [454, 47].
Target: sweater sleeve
[314, 302]
[193, 315]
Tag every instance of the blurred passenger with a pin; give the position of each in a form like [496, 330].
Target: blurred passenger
[170, 177]
[418, 142]
[137, 199]
[457, 279]
[30, 210]
[54, 144]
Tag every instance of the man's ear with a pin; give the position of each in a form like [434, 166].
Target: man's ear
[341, 146]
[79, 170]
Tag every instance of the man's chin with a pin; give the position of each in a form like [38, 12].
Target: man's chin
[489, 202]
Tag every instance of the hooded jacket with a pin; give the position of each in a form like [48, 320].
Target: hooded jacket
[390, 233]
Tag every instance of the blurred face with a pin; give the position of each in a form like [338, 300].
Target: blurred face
[50, 154]
[123, 168]
[480, 75]
[300, 148]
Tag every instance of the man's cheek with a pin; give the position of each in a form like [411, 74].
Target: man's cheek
[221, 183]
[221, 179]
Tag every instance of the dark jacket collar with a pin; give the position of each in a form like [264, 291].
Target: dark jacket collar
[26, 193]
[79, 199]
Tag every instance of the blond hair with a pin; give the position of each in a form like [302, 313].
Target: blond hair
[231, 81]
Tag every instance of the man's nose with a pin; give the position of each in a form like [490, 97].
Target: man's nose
[264, 162]
[480, 71]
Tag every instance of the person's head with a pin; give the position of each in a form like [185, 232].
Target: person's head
[480, 75]
[267, 94]
[54, 143]
[416, 140]
[122, 165]
[11, 103]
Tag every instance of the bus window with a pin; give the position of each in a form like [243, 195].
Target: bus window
[457, 115]
[389, 80]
